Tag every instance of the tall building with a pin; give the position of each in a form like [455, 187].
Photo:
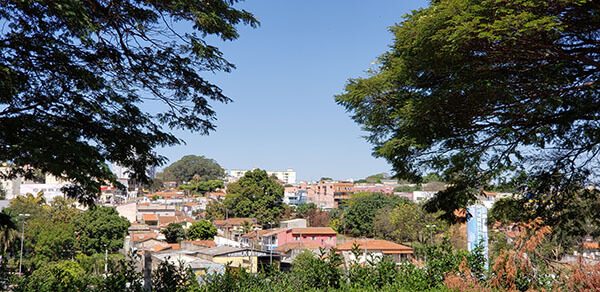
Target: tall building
[288, 176]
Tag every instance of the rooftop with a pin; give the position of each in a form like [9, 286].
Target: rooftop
[314, 230]
[376, 244]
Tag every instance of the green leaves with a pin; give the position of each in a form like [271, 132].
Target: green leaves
[73, 75]
[478, 89]
[202, 230]
[98, 229]
[256, 195]
[193, 168]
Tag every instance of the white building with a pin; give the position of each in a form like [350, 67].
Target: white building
[288, 176]
[51, 191]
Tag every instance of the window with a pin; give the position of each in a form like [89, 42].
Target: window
[296, 238]
[322, 241]
[313, 238]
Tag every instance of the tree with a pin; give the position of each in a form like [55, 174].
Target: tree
[360, 215]
[255, 195]
[475, 89]
[190, 166]
[407, 222]
[173, 232]
[64, 276]
[215, 210]
[74, 74]
[100, 228]
[202, 230]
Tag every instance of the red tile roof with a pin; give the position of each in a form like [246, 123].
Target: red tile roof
[376, 244]
[205, 243]
[314, 230]
[165, 220]
[252, 234]
[139, 237]
[234, 221]
[591, 245]
[150, 217]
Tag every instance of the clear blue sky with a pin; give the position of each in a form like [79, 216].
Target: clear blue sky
[288, 71]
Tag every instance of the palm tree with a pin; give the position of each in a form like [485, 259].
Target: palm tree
[8, 231]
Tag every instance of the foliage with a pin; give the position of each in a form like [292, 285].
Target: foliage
[407, 189]
[122, 277]
[98, 229]
[319, 272]
[49, 242]
[73, 76]
[477, 89]
[202, 230]
[173, 232]
[255, 195]
[407, 222]
[168, 277]
[359, 217]
[522, 267]
[506, 210]
[442, 259]
[94, 264]
[61, 276]
[202, 187]
[215, 210]
[193, 168]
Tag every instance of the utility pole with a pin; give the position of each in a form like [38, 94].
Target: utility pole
[106, 259]
[22, 239]
[431, 227]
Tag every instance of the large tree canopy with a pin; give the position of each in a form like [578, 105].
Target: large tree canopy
[73, 76]
[193, 168]
[475, 89]
[256, 195]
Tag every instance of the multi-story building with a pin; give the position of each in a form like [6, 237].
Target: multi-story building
[325, 194]
[288, 176]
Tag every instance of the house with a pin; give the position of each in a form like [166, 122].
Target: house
[185, 221]
[150, 219]
[197, 244]
[290, 250]
[190, 207]
[252, 238]
[322, 236]
[142, 241]
[246, 258]
[217, 196]
[199, 266]
[371, 249]
[233, 228]
[155, 209]
[273, 238]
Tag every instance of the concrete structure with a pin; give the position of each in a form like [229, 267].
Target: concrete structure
[51, 191]
[324, 194]
[128, 211]
[273, 238]
[294, 223]
[246, 258]
[421, 196]
[199, 266]
[233, 228]
[11, 186]
[375, 188]
[155, 209]
[287, 176]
